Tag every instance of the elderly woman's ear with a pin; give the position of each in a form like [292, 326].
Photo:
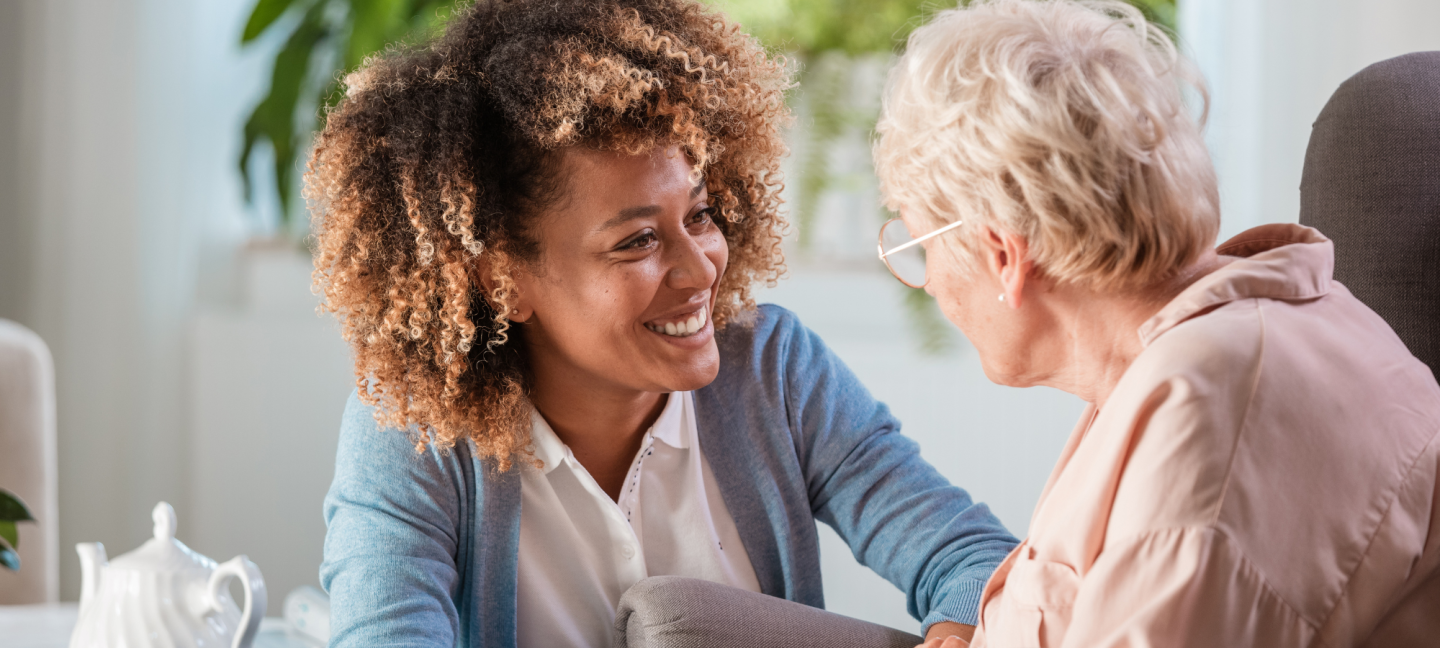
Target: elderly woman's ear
[1007, 257]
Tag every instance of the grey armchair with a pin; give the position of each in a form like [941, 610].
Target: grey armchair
[674, 612]
[1372, 184]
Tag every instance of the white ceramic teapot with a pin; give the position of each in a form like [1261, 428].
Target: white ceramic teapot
[164, 594]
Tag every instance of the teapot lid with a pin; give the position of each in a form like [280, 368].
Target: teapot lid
[163, 553]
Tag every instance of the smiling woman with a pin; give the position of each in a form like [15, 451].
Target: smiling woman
[441, 154]
[539, 233]
[616, 309]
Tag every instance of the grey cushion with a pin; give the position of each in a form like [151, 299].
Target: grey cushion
[1372, 184]
[674, 612]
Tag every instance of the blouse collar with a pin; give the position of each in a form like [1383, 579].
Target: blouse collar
[1277, 261]
[669, 428]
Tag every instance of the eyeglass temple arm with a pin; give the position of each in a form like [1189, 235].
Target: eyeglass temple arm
[920, 240]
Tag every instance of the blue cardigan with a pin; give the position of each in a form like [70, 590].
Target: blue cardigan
[421, 549]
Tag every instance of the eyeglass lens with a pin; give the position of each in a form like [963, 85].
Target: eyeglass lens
[908, 264]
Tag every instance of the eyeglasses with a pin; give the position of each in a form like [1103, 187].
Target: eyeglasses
[905, 256]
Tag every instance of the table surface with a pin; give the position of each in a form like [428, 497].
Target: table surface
[49, 626]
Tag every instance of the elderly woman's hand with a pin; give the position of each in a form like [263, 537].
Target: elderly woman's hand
[948, 634]
[945, 642]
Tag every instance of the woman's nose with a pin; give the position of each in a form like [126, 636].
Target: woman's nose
[690, 266]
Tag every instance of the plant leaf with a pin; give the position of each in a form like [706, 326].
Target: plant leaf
[9, 534]
[264, 14]
[9, 559]
[427, 17]
[809, 27]
[274, 117]
[337, 34]
[1160, 12]
[12, 509]
[374, 24]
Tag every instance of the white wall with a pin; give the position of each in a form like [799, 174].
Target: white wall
[268, 383]
[79, 188]
[15, 229]
[1272, 65]
[119, 142]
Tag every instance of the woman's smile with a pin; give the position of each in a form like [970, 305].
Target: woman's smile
[685, 325]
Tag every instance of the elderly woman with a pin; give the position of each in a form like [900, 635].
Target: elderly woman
[540, 232]
[1257, 466]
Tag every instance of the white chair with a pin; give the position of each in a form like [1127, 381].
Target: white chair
[27, 462]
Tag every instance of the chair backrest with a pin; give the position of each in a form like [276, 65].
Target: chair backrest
[1372, 184]
[27, 462]
[674, 612]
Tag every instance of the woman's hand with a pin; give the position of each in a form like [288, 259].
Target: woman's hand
[948, 634]
[945, 642]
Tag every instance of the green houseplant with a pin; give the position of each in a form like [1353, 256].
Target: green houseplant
[322, 40]
[12, 511]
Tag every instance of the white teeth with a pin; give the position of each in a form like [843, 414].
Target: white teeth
[684, 328]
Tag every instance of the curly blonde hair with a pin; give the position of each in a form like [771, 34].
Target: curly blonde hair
[444, 154]
[1064, 122]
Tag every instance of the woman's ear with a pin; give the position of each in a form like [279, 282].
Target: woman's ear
[1008, 257]
[483, 272]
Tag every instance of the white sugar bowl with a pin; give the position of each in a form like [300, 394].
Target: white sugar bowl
[164, 594]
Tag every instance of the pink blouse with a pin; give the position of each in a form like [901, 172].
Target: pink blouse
[1264, 474]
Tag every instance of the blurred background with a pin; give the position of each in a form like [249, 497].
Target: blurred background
[151, 233]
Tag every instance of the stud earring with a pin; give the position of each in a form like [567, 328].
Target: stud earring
[1002, 297]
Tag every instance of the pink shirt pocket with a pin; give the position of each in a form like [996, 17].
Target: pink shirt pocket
[1039, 595]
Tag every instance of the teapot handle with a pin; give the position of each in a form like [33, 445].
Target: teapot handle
[240, 567]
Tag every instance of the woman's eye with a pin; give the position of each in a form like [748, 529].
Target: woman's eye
[703, 216]
[640, 242]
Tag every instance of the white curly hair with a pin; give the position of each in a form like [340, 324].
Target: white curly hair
[1062, 121]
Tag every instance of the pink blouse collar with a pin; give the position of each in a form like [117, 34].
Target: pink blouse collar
[1278, 261]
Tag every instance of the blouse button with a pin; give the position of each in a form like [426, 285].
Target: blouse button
[628, 551]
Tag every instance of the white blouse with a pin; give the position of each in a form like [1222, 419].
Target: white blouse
[580, 551]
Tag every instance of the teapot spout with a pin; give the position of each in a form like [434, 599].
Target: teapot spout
[92, 558]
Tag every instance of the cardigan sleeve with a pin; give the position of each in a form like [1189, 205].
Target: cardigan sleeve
[899, 516]
[392, 539]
